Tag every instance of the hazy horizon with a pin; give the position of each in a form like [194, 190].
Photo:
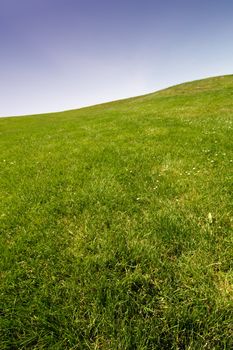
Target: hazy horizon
[67, 54]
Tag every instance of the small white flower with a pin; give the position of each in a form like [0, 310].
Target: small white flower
[210, 218]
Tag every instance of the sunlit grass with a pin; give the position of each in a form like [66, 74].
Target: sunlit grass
[116, 224]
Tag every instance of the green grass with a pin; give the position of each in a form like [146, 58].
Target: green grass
[116, 229]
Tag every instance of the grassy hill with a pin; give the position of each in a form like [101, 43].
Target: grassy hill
[116, 228]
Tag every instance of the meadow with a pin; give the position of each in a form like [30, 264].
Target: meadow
[116, 225]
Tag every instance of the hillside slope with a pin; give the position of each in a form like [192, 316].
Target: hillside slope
[116, 229]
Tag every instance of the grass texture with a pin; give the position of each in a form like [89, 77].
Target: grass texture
[116, 229]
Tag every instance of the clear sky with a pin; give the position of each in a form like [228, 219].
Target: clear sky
[63, 54]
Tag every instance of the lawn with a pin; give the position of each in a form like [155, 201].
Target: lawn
[116, 226]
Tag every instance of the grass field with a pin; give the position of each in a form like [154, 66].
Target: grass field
[116, 229]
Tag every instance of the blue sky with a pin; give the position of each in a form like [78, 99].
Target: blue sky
[63, 54]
